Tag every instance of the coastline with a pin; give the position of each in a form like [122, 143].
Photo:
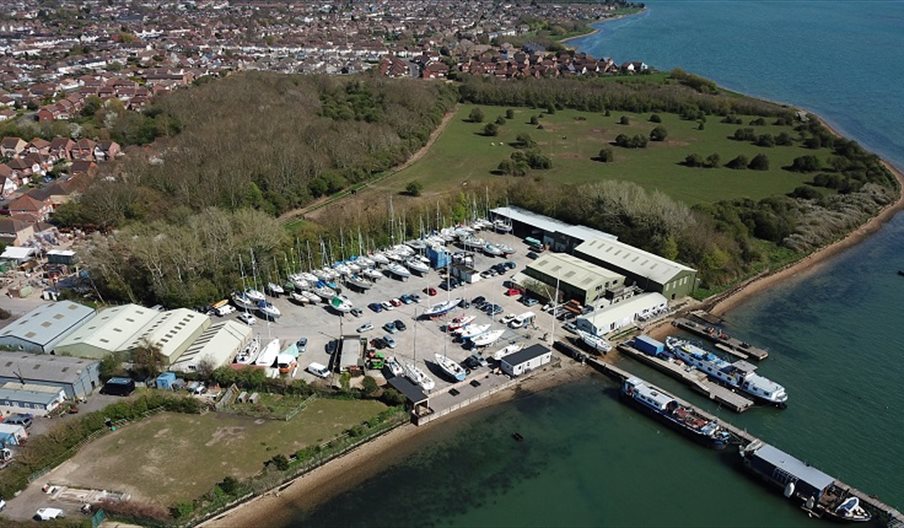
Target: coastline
[600, 22]
[367, 460]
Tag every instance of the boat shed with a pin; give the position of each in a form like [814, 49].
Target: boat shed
[530, 358]
[554, 234]
[577, 279]
[172, 331]
[418, 401]
[12, 434]
[619, 315]
[784, 468]
[31, 399]
[650, 272]
[77, 377]
[39, 330]
[217, 346]
[109, 331]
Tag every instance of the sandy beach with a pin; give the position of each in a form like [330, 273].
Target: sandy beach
[360, 464]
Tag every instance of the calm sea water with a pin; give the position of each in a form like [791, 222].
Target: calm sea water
[835, 335]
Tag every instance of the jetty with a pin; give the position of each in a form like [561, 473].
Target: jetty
[697, 380]
[884, 513]
[722, 340]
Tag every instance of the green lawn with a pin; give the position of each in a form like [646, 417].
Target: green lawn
[462, 157]
[173, 457]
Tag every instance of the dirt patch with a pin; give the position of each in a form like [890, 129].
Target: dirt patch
[226, 435]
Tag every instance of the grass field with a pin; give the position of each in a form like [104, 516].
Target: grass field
[463, 157]
[173, 457]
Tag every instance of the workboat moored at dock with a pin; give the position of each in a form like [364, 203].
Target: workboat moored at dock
[738, 375]
[665, 408]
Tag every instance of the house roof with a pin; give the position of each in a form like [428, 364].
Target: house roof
[42, 367]
[47, 322]
[12, 226]
[26, 396]
[634, 260]
[26, 203]
[630, 307]
[11, 142]
[526, 354]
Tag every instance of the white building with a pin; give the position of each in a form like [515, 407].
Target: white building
[532, 357]
[217, 345]
[622, 314]
[172, 332]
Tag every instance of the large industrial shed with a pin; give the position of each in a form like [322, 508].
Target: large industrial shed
[650, 272]
[111, 330]
[622, 314]
[172, 331]
[554, 234]
[576, 278]
[216, 345]
[77, 377]
[41, 329]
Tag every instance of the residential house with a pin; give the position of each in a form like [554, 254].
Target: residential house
[106, 150]
[38, 146]
[14, 231]
[8, 184]
[83, 150]
[61, 148]
[10, 147]
[28, 206]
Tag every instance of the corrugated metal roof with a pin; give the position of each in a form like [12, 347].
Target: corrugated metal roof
[551, 225]
[47, 322]
[635, 260]
[218, 343]
[794, 466]
[27, 396]
[42, 367]
[170, 330]
[111, 329]
[573, 271]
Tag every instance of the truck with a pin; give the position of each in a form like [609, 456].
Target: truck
[222, 308]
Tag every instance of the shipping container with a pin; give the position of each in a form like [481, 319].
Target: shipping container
[648, 345]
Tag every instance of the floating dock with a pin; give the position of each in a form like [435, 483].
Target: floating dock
[694, 378]
[723, 341]
[885, 514]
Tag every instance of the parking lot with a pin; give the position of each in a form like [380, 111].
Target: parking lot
[422, 339]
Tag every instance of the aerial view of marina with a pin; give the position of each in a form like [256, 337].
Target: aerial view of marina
[585, 263]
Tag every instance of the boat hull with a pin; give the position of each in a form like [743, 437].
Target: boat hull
[713, 443]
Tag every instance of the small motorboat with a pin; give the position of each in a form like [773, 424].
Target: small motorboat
[395, 368]
[358, 282]
[313, 297]
[379, 258]
[372, 274]
[487, 338]
[398, 270]
[341, 304]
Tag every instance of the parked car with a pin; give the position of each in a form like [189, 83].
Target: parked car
[390, 327]
[464, 304]
[302, 344]
[509, 265]
[570, 327]
[356, 312]
[395, 302]
[25, 420]
[430, 291]
[400, 326]
[387, 305]
[332, 346]
[414, 297]
[406, 299]
[378, 343]
[507, 318]
[375, 307]
[480, 299]
[471, 363]
[511, 292]
[533, 256]
[318, 370]
[366, 327]
[486, 274]
[528, 301]
[390, 341]
[494, 309]
[247, 318]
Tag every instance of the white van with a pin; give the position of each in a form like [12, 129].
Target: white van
[223, 308]
[523, 320]
[318, 370]
[48, 514]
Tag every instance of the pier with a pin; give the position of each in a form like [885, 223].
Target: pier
[722, 340]
[694, 378]
[884, 513]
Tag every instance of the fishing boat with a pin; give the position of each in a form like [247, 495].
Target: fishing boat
[275, 289]
[471, 331]
[505, 351]
[255, 295]
[654, 402]
[596, 343]
[491, 250]
[450, 368]
[739, 375]
[459, 322]
[417, 266]
[267, 357]
[395, 368]
[312, 297]
[248, 354]
[357, 282]
[268, 311]
[418, 377]
[442, 308]
[379, 258]
[299, 298]
[487, 338]
[398, 270]
[341, 304]
[241, 300]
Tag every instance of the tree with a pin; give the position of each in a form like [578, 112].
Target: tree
[758, 122]
[147, 360]
[110, 366]
[606, 155]
[765, 140]
[658, 134]
[491, 129]
[744, 134]
[738, 163]
[693, 160]
[633, 142]
[509, 114]
[784, 139]
[280, 462]
[538, 160]
[369, 385]
[807, 163]
[701, 125]
[624, 120]
[392, 397]
[712, 161]
[655, 118]
[505, 167]
[534, 120]
[476, 115]
[551, 109]
[525, 141]
[414, 188]
[759, 162]
[500, 120]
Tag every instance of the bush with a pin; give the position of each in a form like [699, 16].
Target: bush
[712, 161]
[731, 120]
[759, 162]
[765, 140]
[524, 141]
[414, 188]
[551, 109]
[476, 115]
[758, 122]
[738, 163]
[636, 141]
[659, 134]
[784, 139]
[606, 155]
[805, 164]
[624, 120]
[805, 192]
[655, 118]
[392, 397]
[370, 385]
[693, 160]
[534, 120]
[537, 160]
[744, 134]
[509, 114]
[500, 120]
[491, 129]
[280, 462]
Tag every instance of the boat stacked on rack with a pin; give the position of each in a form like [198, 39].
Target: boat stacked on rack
[450, 367]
